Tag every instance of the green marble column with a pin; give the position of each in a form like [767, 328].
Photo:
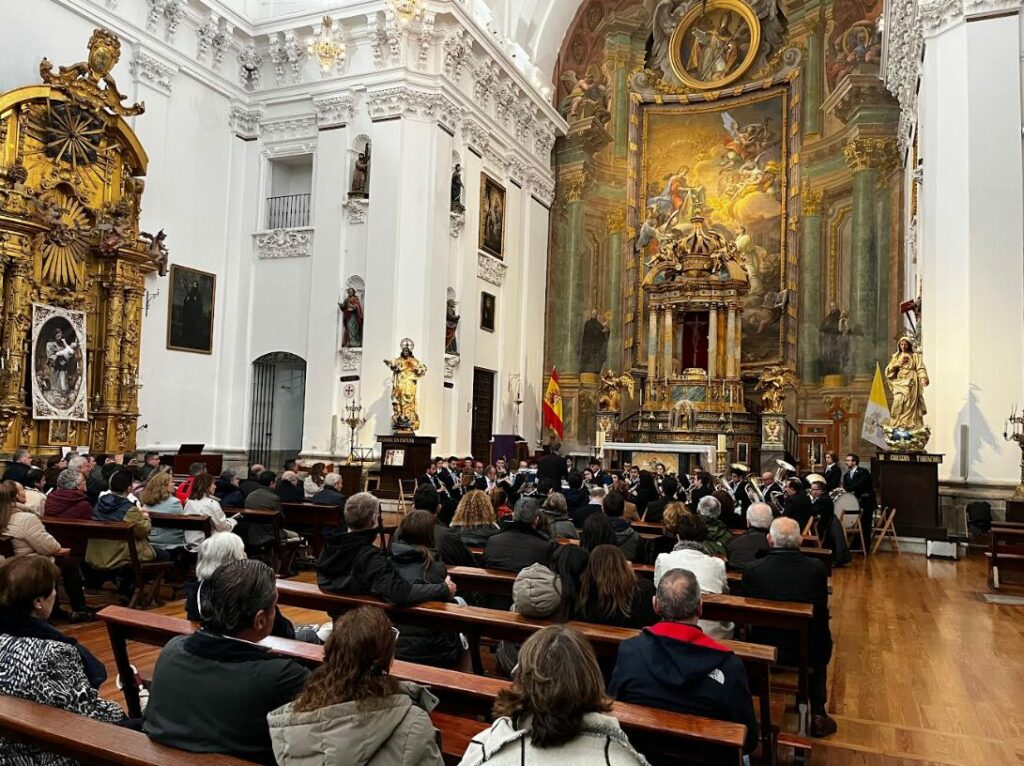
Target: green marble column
[571, 314]
[811, 277]
[617, 55]
[812, 76]
[884, 215]
[616, 220]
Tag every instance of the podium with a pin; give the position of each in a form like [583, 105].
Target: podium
[403, 456]
[909, 482]
[179, 463]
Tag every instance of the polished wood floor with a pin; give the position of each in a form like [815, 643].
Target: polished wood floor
[924, 670]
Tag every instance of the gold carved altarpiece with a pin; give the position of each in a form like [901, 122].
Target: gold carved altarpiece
[70, 193]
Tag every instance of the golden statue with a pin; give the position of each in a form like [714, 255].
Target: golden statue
[907, 378]
[774, 381]
[610, 399]
[406, 370]
[82, 80]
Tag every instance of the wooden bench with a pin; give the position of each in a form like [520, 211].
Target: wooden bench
[184, 521]
[285, 550]
[1006, 551]
[314, 518]
[76, 533]
[461, 695]
[93, 742]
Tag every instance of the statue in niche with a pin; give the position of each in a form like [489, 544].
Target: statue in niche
[774, 381]
[361, 174]
[406, 371]
[907, 378]
[588, 95]
[610, 399]
[594, 347]
[456, 201]
[352, 326]
[451, 326]
[835, 338]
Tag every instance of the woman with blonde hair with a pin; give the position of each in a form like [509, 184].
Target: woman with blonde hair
[352, 710]
[474, 521]
[555, 711]
[671, 514]
[157, 495]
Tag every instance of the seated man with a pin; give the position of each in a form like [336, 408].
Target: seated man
[785, 574]
[330, 492]
[212, 690]
[264, 498]
[450, 548]
[576, 497]
[656, 508]
[290, 488]
[627, 538]
[673, 666]
[752, 544]
[351, 563]
[796, 505]
[228, 493]
[252, 482]
[522, 543]
[596, 505]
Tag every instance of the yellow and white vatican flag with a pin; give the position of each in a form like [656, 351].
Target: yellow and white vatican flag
[876, 414]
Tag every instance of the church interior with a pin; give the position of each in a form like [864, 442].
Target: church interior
[666, 312]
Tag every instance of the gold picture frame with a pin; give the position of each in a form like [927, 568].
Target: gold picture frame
[492, 217]
[190, 310]
[733, 29]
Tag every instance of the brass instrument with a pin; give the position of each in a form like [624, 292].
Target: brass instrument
[783, 466]
[753, 491]
[815, 477]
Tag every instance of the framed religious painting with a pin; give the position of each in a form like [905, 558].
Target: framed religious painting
[492, 216]
[714, 44]
[487, 311]
[190, 310]
[58, 364]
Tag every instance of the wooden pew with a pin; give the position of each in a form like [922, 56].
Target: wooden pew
[75, 534]
[717, 742]
[284, 550]
[314, 518]
[184, 521]
[1006, 551]
[93, 742]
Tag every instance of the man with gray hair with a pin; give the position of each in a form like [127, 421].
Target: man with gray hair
[752, 544]
[709, 508]
[673, 666]
[351, 563]
[290, 488]
[522, 543]
[68, 500]
[18, 466]
[330, 492]
[785, 574]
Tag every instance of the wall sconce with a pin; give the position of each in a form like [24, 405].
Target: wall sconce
[149, 297]
[327, 46]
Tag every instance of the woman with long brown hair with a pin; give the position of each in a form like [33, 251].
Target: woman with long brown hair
[315, 481]
[353, 708]
[612, 594]
[202, 500]
[474, 519]
[555, 711]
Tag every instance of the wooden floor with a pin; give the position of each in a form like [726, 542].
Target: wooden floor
[924, 670]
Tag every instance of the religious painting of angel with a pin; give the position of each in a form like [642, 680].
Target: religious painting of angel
[726, 162]
[714, 45]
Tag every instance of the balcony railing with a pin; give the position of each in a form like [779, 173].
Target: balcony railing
[290, 211]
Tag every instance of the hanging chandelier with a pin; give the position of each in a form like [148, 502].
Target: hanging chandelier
[406, 10]
[327, 46]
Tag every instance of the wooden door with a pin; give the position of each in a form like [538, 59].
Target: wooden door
[483, 413]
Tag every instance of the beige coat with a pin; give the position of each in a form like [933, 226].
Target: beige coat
[34, 500]
[30, 536]
[111, 554]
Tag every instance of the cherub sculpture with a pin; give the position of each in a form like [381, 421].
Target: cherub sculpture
[157, 250]
[610, 399]
[773, 382]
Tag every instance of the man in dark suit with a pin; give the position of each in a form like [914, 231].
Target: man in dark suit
[857, 482]
[785, 574]
[19, 466]
[656, 508]
[576, 497]
[552, 466]
[738, 489]
[824, 510]
[833, 471]
[770, 488]
[797, 505]
[703, 489]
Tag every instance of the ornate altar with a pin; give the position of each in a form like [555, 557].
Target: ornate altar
[70, 192]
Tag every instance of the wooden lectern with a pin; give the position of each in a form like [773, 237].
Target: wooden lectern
[403, 456]
[909, 482]
[179, 463]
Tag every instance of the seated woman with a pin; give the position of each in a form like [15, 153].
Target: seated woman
[670, 526]
[158, 495]
[551, 716]
[30, 538]
[314, 482]
[691, 553]
[41, 664]
[215, 551]
[353, 709]
[718, 533]
[474, 521]
[413, 557]
[646, 492]
[612, 594]
[202, 501]
[499, 502]
[597, 530]
[556, 510]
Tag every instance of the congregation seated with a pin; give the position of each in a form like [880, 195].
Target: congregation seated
[352, 563]
[551, 716]
[202, 501]
[785, 574]
[31, 494]
[68, 500]
[450, 549]
[353, 708]
[612, 594]
[718, 534]
[290, 488]
[674, 666]
[556, 513]
[596, 505]
[744, 549]
[474, 521]
[646, 492]
[227, 491]
[314, 481]
[576, 496]
[627, 538]
[107, 555]
[39, 662]
[212, 690]
[219, 549]
[184, 490]
[499, 502]
[656, 508]
[157, 495]
[252, 481]
[264, 498]
[666, 541]
[19, 466]
[597, 530]
[330, 493]
[150, 462]
[691, 554]
[412, 555]
[521, 543]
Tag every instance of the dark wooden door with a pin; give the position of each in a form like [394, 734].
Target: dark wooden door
[483, 413]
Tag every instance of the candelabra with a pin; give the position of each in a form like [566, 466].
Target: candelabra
[354, 421]
[1013, 431]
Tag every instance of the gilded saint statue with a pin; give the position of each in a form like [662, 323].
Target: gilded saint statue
[907, 378]
[773, 382]
[406, 371]
[610, 399]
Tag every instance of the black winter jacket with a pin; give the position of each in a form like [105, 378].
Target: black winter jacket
[422, 645]
[517, 547]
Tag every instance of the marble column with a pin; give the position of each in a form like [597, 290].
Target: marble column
[883, 309]
[811, 275]
[616, 220]
[812, 76]
[652, 343]
[712, 341]
[738, 343]
[730, 343]
[667, 363]
[571, 320]
[617, 53]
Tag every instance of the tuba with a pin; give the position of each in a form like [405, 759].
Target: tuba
[754, 492]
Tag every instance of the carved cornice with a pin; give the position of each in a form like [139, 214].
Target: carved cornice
[812, 200]
[411, 102]
[490, 269]
[284, 243]
[289, 128]
[616, 220]
[245, 121]
[456, 53]
[870, 153]
[332, 111]
[147, 68]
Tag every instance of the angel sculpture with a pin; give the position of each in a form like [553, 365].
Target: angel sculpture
[157, 250]
[666, 18]
[588, 95]
[610, 399]
[774, 381]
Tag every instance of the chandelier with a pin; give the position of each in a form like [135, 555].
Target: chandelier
[327, 46]
[407, 10]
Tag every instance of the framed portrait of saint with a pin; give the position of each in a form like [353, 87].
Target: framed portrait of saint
[190, 310]
[487, 311]
[58, 364]
[715, 44]
[492, 216]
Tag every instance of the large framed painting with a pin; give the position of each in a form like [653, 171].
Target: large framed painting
[492, 216]
[715, 43]
[726, 159]
[58, 364]
[190, 315]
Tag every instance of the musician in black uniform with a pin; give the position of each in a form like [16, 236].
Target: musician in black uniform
[770, 489]
[833, 472]
[824, 510]
[797, 504]
[857, 482]
[738, 489]
[703, 488]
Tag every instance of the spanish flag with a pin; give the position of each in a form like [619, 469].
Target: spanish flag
[553, 405]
